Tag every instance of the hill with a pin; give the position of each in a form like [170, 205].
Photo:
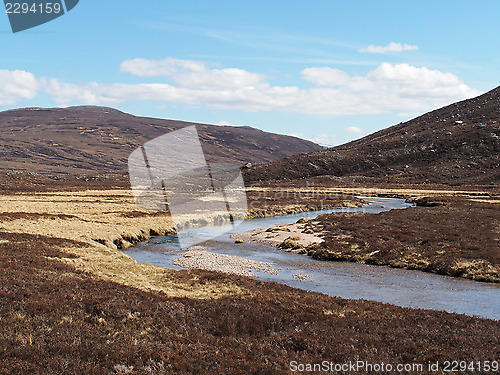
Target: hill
[89, 139]
[455, 145]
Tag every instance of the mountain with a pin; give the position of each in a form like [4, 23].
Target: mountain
[455, 145]
[89, 139]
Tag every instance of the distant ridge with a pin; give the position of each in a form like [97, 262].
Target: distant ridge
[91, 139]
[454, 145]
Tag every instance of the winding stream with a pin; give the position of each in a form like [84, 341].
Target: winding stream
[347, 280]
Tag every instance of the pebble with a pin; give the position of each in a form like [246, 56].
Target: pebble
[196, 258]
[301, 276]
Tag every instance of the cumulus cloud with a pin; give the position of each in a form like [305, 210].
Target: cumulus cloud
[397, 88]
[326, 76]
[389, 87]
[354, 130]
[65, 94]
[391, 47]
[327, 140]
[16, 85]
[192, 74]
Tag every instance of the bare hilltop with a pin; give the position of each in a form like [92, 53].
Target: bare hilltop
[90, 139]
[454, 145]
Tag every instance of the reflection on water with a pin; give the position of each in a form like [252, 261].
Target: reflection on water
[348, 280]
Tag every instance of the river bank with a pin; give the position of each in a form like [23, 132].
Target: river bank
[463, 244]
[448, 235]
[71, 302]
[107, 220]
[407, 288]
[58, 319]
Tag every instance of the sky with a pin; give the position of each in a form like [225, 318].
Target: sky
[328, 71]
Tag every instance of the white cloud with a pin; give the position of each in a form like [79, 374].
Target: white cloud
[354, 130]
[397, 88]
[65, 94]
[325, 76]
[157, 68]
[16, 85]
[192, 74]
[321, 139]
[325, 139]
[408, 115]
[223, 123]
[391, 47]
[389, 87]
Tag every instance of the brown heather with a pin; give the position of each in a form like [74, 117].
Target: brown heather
[449, 235]
[86, 139]
[73, 306]
[454, 146]
[69, 305]
[58, 320]
[72, 303]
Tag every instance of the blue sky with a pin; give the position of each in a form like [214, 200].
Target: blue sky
[329, 71]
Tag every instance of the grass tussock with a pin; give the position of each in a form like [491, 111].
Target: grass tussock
[291, 243]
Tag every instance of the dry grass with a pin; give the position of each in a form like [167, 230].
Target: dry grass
[402, 191]
[108, 220]
[71, 305]
[105, 221]
[91, 215]
[265, 202]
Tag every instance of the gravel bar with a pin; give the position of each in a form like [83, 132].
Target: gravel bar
[198, 258]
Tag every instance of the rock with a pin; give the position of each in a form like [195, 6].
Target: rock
[301, 276]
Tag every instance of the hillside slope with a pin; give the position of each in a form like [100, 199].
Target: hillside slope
[455, 145]
[91, 139]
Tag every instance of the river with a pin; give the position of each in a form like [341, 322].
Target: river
[347, 280]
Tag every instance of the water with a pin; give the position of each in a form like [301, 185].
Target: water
[347, 280]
